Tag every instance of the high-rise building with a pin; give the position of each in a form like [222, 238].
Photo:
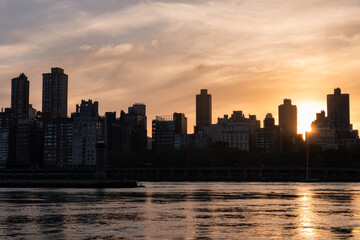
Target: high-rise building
[58, 136]
[235, 131]
[114, 136]
[180, 123]
[269, 121]
[268, 138]
[135, 121]
[137, 115]
[322, 132]
[20, 96]
[339, 112]
[87, 109]
[29, 144]
[88, 129]
[254, 126]
[138, 108]
[163, 131]
[288, 117]
[203, 110]
[7, 137]
[55, 94]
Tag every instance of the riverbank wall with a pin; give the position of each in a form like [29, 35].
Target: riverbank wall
[187, 174]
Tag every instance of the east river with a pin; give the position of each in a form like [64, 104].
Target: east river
[184, 210]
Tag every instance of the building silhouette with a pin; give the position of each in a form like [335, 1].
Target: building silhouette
[180, 123]
[235, 131]
[128, 133]
[163, 131]
[339, 112]
[29, 143]
[139, 110]
[7, 137]
[32, 112]
[55, 94]
[268, 138]
[20, 96]
[88, 130]
[269, 121]
[323, 132]
[203, 110]
[134, 128]
[288, 117]
[113, 136]
[58, 141]
[254, 125]
[137, 115]
[182, 140]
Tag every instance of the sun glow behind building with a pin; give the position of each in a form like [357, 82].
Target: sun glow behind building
[307, 113]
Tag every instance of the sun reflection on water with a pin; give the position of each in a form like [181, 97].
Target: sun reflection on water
[306, 215]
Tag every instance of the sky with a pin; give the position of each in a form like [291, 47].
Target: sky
[249, 54]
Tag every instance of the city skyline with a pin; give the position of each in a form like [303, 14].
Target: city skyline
[179, 119]
[116, 54]
[302, 126]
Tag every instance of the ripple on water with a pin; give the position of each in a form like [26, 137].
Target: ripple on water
[184, 210]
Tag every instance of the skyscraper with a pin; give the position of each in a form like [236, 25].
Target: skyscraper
[137, 115]
[339, 112]
[29, 143]
[55, 93]
[88, 129]
[254, 126]
[58, 140]
[20, 96]
[136, 121]
[203, 110]
[268, 138]
[7, 137]
[288, 117]
[322, 132]
[269, 121]
[180, 123]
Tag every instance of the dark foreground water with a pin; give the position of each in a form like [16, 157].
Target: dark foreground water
[184, 211]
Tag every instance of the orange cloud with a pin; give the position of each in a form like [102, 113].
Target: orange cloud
[249, 54]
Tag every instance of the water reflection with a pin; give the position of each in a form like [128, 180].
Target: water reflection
[306, 214]
[184, 211]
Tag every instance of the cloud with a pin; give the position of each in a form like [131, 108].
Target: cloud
[115, 50]
[249, 54]
[11, 51]
[86, 47]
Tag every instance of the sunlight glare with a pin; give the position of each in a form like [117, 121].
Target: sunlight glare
[307, 114]
[306, 215]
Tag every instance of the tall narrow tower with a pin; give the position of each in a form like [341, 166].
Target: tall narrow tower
[55, 93]
[203, 110]
[20, 96]
[338, 110]
[288, 117]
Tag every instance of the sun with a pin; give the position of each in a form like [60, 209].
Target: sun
[307, 114]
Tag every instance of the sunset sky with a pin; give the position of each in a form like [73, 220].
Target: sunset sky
[249, 54]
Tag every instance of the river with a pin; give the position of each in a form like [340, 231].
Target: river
[184, 210]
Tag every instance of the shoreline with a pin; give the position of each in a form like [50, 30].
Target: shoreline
[68, 184]
[120, 177]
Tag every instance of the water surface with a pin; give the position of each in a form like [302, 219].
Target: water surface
[197, 210]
